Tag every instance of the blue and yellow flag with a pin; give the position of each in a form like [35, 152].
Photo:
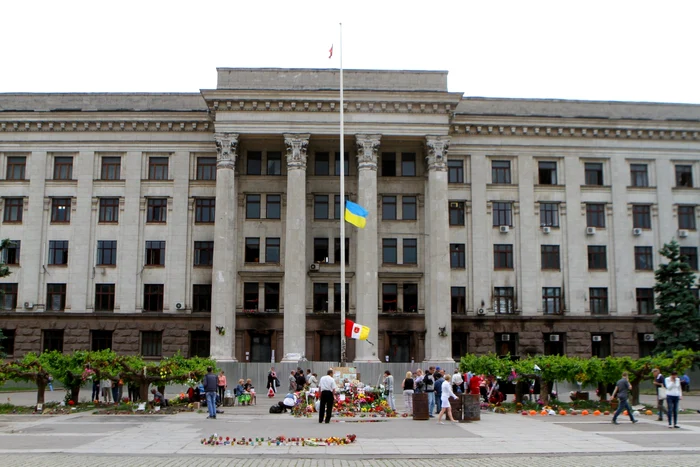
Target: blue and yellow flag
[355, 214]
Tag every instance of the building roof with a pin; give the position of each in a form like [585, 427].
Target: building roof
[102, 102]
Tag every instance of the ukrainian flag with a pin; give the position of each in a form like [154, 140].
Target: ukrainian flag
[355, 214]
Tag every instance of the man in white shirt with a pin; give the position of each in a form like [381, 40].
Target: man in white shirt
[328, 388]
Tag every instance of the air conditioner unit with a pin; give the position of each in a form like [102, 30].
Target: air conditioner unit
[505, 337]
[554, 338]
[546, 229]
[504, 229]
[179, 306]
[682, 233]
[28, 305]
[454, 204]
[648, 338]
[596, 338]
[481, 311]
[636, 232]
[590, 230]
[314, 267]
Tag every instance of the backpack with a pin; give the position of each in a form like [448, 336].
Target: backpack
[275, 409]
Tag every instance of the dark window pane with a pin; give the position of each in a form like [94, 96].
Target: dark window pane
[597, 258]
[111, 168]
[151, 343]
[157, 210]
[252, 250]
[500, 172]
[321, 207]
[254, 163]
[410, 251]
[204, 210]
[252, 207]
[106, 252]
[502, 214]
[389, 255]
[320, 250]
[548, 173]
[273, 209]
[152, 298]
[274, 163]
[459, 298]
[594, 173]
[104, 298]
[388, 164]
[206, 168]
[272, 250]
[203, 253]
[109, 210]
[157, 168]
[549, 214]
[388, 208]
[14, 209]
[408, 164]
[408, 211]
[457, 256]
[201, 298]
[322, 164]
[455, 171]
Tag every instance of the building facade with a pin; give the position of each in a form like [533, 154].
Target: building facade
[209, 223]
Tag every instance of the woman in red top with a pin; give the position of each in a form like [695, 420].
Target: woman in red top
[474, 384]
[221, 384]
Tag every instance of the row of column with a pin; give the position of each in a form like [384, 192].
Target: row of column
[437, 269]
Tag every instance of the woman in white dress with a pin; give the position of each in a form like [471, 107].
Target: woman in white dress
[447, 394]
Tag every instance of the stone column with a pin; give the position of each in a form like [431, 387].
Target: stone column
[295, 263]
[367, 255]
[437, 284]
[223, 289]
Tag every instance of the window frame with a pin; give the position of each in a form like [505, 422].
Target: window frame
[549, 214]
[409, 167]
[57, 204]
[252, 202]
[458, 256]
[204, 210]
[203, 253]
[63, 168]
[201, 298]
[152, 258]
[409, 201]
[106, 253]
[644, 297]
[273, 202]
[251, 246]
[153, 297]
[321, 249]
[274, 160]
[254, 163]
[110, 168]
[643, 258]
[684, 175]
[686, 217]
[251, 297]
[595, 215]
[546, 174]
[455, 171]
[12, 253]
[273, 244]
[599, 304]
[501, 172]
[58, 253]
[410, 305]
[156, 210]
[320, 207]
[206, 168]
[593, 173]
[502, 213]
[390, 245]
[641, 216]
[550, 257]
[153, 342]
[108, 211]
[503, 256]
[158, 167]
[458, 300]
[457, 217]
[13, 210]
[388, 164]
[389, 202]
[320, 297]
[595, 256]
[504, 296]
[389, 305]
[552, 301]
[410, 245]
[8, 290]
[52, 339]
[691, 254]
[639, 178]
[55, 289]
[104, 297]
[336, 250]
[269, 291]
[14, 165]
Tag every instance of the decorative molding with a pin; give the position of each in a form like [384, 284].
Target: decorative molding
[226, 150]
[296, 150]
[437, 152]
[311, 105]
[103, 126]
[367, 150]
[488, 129]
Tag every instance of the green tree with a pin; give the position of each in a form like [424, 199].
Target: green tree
[68, 369]
[31, 368]
[677, 319]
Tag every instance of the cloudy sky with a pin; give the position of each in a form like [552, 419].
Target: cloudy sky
[594, 50]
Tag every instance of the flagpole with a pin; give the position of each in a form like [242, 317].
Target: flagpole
[342, 213]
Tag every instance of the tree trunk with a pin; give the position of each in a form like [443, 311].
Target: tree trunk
[143, 390]
[635, 393]
[603, 391]
[75, 393]
[40, 391]
[518, 393]
[544, 392]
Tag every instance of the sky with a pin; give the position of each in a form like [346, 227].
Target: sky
[589, 50]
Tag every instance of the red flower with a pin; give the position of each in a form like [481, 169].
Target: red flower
[70, 402]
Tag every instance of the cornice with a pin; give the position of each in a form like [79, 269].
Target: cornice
[56, 125]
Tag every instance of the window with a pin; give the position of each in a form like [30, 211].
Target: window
[260, 347]
[273, 209]
[104, 297]
[388, 164]
[597, 257]
[500, 172]
[641, 216]
[60, 209]
[456, 213]
[506, 344]
[550, 257]
[455, 171]
[153, 297]
[8, 297]
[688, 253]
[151, 343]
[157, 209]
[502, 214]
[600, 345]
[410, 251]
[503, 256]
[53, 340]
[321, 207]
[251, 291]
[684, 176]
[10, 255]
[686, 217]
[336, 207]
[408, 210]
[63, 168]
[337, 251]
[400, 347]
[504, 300]
[272, 297]
[408, 164]
[322, 164]
[643, 260]
[547, 172]
[109, 210]
[330, 347]
[594, 173]
[157, 168]
[459, 300]
[274, 163]
[639, 174]
[549, 214]
[55, 297]
[201, 298]
[336, 297]
[254, 163]
[389, 208]
[252, 207]
[204, 210]
[460, 345]
[390, 295]
[320, 296]
[599, 300]
[111, 168]
[551, 300]
[155, 253]
[252, 250]
[595, 215]
[14, 208]
[389, 254]
[320, 250]
[206, 168]
[106, 252]
[200, 342]
[457, 256]
[7, 345]
[16, 167]
[554, 346]
[346, 163]
[58, 252]
[272, 250]
[410, 298]
[203, 253]
[645, 301]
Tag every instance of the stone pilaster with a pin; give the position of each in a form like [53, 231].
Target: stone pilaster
[295, 263]
[223, 289]
[437, 283]
[367, 257]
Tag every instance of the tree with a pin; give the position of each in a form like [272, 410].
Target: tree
[68, 369]
[677, 319]
[31, 368]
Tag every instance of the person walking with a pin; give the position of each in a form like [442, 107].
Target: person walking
[272, 381]
[389, 389]
[622, 389]
[429, 384]
[660, 385]
[439, 379]
[674, 393]
[210, 386]
[221, 384]
[446, 395]
[408, 388]
[328, 388]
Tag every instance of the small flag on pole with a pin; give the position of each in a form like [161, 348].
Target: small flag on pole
[355, 214]
[330, 52]
[356, 331]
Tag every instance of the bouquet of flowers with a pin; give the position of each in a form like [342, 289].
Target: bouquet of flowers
[88, 374]
[192, 383]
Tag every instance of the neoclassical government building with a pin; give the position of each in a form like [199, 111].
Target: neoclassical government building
[209, 222]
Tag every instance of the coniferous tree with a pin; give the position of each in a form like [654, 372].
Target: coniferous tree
[677, 318]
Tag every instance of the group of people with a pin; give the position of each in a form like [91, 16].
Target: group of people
[112, 391]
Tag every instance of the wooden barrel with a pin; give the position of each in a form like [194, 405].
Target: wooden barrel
[471, 408]
[228, 401]
[456, 406]
[420, 406]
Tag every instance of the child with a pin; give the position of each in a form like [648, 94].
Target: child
[251, 390]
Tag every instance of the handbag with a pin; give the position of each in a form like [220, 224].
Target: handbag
[661, 394]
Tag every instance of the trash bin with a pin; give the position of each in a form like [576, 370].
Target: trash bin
[456, 407]
[420, 406]
[228, 398]
[471, 408]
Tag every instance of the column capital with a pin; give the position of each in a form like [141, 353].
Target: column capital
[296, 150]
[226, 150]
[437, 152]
[367, 149]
